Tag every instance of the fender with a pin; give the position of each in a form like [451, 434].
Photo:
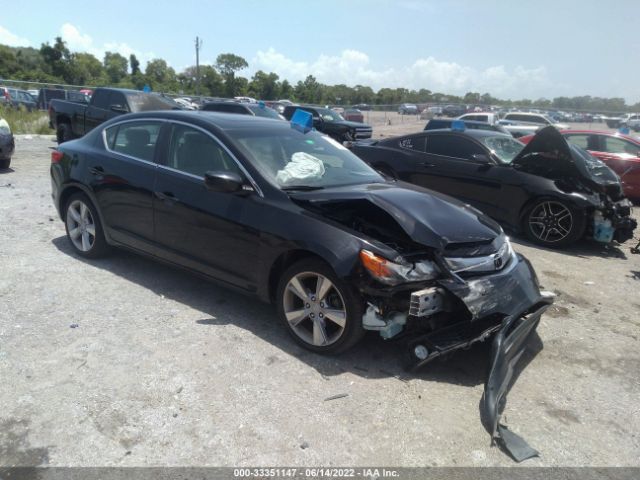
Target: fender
[89, 193]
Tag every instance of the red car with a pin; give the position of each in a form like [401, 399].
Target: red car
[619, 152]
[353, 115]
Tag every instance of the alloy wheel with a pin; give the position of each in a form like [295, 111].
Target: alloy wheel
[81, 226]
[314, 309]
[550, 221]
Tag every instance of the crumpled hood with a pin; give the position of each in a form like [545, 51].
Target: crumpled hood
[427, 217]
[548, 152]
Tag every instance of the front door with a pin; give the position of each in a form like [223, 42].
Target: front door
[204, 230]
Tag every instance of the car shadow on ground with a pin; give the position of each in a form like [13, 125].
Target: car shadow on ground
[371, 358]
[6, 170]
[581, 249]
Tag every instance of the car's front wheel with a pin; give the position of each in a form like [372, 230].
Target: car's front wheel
[321, 312]
[83, 227]
[554, 223]
[4, 163]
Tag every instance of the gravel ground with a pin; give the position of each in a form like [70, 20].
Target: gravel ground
[124, 361]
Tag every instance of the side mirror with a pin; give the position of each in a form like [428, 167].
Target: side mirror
[225, 182]
[119, 108]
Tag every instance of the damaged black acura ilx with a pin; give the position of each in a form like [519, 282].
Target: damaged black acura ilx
[292, 216]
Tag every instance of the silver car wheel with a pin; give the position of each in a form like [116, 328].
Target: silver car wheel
[314, 309]
[81, 227]
[551, 221]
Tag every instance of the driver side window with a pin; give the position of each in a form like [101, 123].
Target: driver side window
[193, 151]
[452, 146]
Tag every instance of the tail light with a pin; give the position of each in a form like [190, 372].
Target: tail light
[56, 156]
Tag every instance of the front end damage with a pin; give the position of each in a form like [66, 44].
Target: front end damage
[440, 276]
[475, 299]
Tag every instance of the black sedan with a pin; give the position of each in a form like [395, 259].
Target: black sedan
[295, 218]
[555, 192]
[7, 144]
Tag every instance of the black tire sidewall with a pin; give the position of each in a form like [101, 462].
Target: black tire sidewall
[578, 225]
[353, 303]
[5, 163]
[100, 246]
[64, 133]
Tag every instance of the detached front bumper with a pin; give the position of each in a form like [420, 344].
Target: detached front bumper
[508, 346]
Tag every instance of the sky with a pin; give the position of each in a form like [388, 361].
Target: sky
[510, 49]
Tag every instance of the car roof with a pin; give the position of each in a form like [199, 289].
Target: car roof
[469, 132]
[602, 132]
[223, 121]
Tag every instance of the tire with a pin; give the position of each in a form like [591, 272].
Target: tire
[4, 163]
[298, 301]
[554, 223]
[64, 133]
[83, 227]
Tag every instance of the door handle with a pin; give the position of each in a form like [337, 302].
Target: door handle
[96, 170]
[166, 197]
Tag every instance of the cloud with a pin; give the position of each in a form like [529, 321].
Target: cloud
[353, 67]
[11, 39]
[82, 42]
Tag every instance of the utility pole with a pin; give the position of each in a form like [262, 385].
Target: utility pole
[198, 45]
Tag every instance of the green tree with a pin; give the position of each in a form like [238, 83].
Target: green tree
[160, 76]
[135, 64]
[309, 91]
[264, 86]
[228, 64]
[115, 66]
[84, 69]
[55, 57]
[286, 90]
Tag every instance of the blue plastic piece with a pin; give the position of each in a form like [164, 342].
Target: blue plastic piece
[603, 231]
[302, 121]
[624, 130]
[261, 104]
[458, 126]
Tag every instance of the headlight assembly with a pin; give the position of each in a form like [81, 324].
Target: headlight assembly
[391, 273]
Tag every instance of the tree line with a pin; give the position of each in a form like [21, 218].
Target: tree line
[56, 64]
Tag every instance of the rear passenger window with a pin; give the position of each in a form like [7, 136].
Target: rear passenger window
[135, 139]
[452, 146]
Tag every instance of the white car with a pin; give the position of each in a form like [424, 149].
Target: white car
[534, 119]
[514, 128]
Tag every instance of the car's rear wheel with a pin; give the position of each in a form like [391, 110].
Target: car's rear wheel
[83, 227]
[554, 223]
[4, 163]
[64, 133]
[321, 312]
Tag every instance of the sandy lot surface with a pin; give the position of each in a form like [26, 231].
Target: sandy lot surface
[124, 361]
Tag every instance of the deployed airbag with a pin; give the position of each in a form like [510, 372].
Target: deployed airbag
[301, 168]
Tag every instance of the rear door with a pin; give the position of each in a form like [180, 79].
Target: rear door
[122, 179]
[200, 229]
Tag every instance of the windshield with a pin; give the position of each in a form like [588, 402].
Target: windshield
[292, 160]
[264, 111]
[329, 115]
[4, 127]
[504, 147]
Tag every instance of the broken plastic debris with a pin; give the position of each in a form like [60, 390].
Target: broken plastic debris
[74, 325]
[301, 167]
[589, 283]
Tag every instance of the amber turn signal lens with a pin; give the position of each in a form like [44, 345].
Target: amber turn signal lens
[376, 265]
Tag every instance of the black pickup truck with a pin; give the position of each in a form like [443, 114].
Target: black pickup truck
[327, 121]
[72, 120]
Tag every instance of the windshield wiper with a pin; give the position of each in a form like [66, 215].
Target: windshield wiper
[303, 188]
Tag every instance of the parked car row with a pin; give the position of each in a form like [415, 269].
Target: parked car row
[16, 98]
